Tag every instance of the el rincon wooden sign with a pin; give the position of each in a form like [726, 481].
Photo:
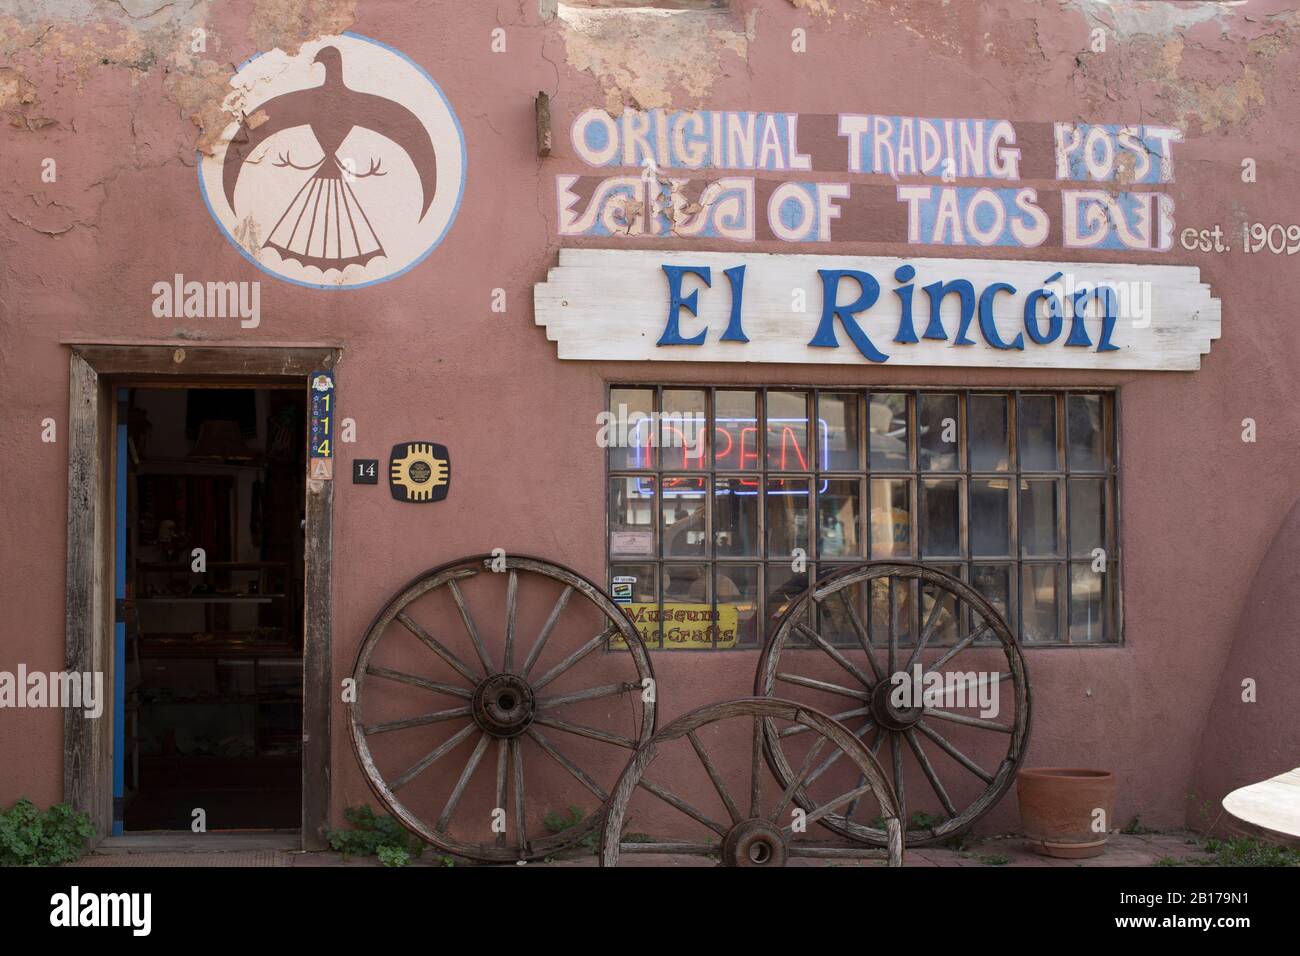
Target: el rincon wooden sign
[645, 305]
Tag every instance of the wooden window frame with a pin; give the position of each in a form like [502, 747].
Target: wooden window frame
[1015, 561]
[96, 369]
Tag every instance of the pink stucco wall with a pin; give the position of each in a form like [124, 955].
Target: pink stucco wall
[120, 107]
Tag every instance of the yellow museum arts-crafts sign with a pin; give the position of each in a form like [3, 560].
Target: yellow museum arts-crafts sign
[685, 625]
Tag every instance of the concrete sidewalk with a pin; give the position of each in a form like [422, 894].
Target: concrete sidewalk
[277, 849]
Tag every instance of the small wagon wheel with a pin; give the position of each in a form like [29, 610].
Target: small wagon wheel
[938, 723]
[533, 681]
[734, 817]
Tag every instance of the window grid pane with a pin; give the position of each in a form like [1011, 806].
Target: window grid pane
[1012, 492]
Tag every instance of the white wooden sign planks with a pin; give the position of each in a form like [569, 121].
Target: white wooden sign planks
[614, 305]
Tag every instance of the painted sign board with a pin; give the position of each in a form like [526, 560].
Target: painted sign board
[659, 306]
[741, 176]
[685, 625]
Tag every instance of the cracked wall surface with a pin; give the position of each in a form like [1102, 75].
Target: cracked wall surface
[643, 57]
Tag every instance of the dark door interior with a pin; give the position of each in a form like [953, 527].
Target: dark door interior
[213, 683]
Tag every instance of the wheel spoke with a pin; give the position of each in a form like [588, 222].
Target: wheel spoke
[547, 628]
[979, 722]
[427, 639]
[930, 775]
[421, 721]
[928, 631]
[862, 852]
[462, 783]
[863, 638]
[960, 646]
[953, 752]
[574, 658]
[853, 805]
[517, 752]
[826, 764]
[471, 627]
[798, 780]
[830, 806]
[503, 755]
[675, 801]
[582, 730]
[436, 754]
[976, 681]
[590, 693]
[983, 678]
[732, 810]
[795, 729]
[577, 772]
[512, 598]
[893, 628]
[685, 849]
[755, 761]
[826, 686]
[835, 654]
[374, 670]
[896, 755]
[880, 739]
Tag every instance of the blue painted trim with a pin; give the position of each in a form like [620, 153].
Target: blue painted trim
[464, 175]
[119, 629]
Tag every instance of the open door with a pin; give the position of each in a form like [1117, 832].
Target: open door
[210, 566]
[240, 640]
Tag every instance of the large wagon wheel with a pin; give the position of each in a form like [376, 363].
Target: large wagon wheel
[822, 649]
[522, 678]
[735, 818]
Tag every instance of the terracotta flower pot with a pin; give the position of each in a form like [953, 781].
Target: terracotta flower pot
[1058, 808]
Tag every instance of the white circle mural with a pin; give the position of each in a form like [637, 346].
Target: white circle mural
[346, 168]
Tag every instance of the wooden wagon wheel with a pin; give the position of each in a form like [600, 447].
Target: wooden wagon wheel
[872, 672]
[519, 693]
[746, 823]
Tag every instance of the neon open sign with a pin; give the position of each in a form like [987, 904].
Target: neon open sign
[736, 442]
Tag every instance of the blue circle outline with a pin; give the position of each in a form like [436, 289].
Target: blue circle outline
[335, 287]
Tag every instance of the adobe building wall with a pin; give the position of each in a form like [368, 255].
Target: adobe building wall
[116, 96]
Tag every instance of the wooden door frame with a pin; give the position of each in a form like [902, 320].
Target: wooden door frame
[88, 643]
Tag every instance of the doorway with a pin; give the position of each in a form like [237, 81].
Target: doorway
[98, 466]
[211, 691]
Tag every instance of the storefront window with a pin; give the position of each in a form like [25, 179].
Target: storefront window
[724, 504]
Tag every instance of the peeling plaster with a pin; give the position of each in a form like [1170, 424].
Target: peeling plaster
[940, 23]
[147, 41]
[1192, 83]
[818, 7]
[288, 24]
[1133, 18]
[641, 56]
[143, 36]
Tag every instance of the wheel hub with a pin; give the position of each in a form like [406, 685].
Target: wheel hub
[754, 843]
[889, 715]
[504, 705]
